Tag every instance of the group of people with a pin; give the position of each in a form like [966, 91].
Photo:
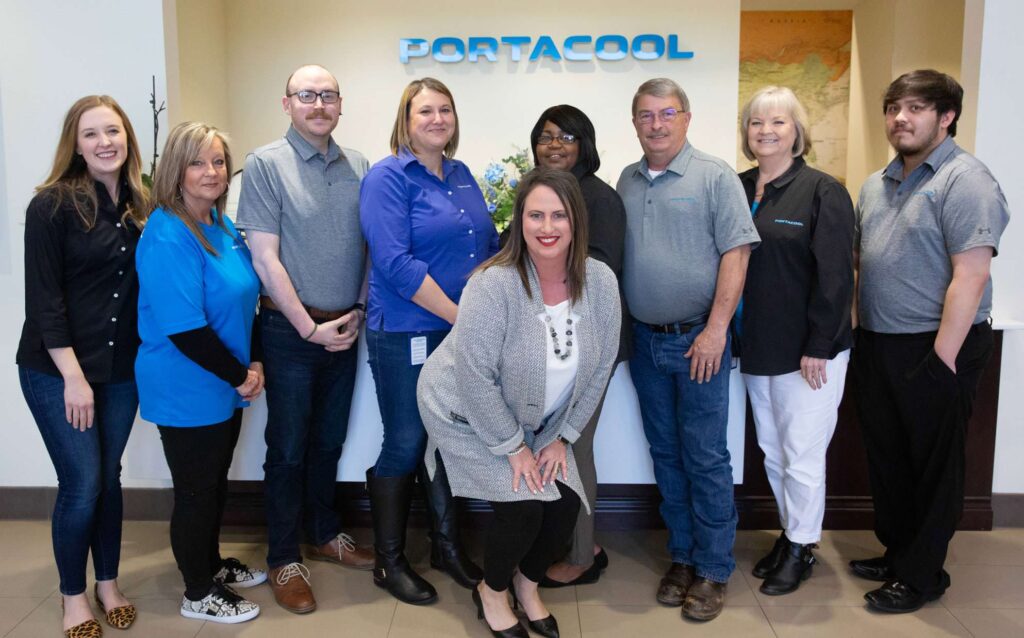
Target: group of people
[491, 357]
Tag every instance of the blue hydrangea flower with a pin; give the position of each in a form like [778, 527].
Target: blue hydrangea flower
[513, 182]
[491, 208]
[494, 173]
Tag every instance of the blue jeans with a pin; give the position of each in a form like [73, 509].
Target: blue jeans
[685, 423]
[309, 394]
[87, 514]
[405, 439]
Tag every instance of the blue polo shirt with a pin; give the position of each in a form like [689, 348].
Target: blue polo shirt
[416, 224]
[183, 287]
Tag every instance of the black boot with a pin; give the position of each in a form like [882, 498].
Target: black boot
[389, 502]
[446, 553]
[772, 559]
[793, 569]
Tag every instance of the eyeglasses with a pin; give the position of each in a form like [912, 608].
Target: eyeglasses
[665, 115]
[565, 138]
[309, 97]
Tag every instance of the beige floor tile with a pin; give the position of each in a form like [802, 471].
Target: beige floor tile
[985, 587]
[32, 575]
[623, 620]
[998, 547]
[364, 621]
[14, 610]
[158, 618]
[991, 623]
[847, 622]
[19, 539]
[440, 620]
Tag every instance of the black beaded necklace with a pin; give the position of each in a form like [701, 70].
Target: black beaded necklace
[554, 335]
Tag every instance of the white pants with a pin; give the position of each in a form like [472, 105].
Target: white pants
[794, 425]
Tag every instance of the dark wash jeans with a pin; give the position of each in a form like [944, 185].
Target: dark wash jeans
[199, 459]
[913, 412]
[405, 439]
[685, 423]
[309, 395]
[87, 514]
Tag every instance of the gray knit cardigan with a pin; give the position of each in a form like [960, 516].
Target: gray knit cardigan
[481, 392]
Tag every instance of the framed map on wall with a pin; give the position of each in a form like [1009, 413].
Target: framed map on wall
[809, 52]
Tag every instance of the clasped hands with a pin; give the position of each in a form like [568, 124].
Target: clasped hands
[540, 469]
[338, 334]
[253, 385]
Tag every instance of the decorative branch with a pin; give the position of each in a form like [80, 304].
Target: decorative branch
[156, 124]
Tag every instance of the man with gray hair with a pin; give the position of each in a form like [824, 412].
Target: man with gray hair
[300, 207]
[688, 238]
[928, 226]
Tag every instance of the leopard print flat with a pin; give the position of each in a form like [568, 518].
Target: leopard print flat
[118, 617]
[88, 629]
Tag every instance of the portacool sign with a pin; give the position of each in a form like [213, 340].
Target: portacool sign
[575, 48]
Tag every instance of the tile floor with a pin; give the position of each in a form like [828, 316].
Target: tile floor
[986, 599]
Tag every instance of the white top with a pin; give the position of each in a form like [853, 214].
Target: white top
[561, 373]
[653, 173]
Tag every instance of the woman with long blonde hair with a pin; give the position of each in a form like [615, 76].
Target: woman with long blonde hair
[77, 350]
[196, 367]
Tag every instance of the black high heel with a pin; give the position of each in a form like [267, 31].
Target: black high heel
[515, 631]
[546, 626]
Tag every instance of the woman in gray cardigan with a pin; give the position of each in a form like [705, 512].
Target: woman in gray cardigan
[514, 384]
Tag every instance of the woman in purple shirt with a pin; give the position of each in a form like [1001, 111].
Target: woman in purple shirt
[427, 227]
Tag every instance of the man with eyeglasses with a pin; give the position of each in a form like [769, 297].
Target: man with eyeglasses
[299, 206]
[928, 226]
[688, 238]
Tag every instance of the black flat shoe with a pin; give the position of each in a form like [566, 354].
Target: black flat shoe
[515, 631]
[601, 559]
[588, 577]
[872, 569]
[547, 627]
[772, 559]
[897, 597]
[794, 568]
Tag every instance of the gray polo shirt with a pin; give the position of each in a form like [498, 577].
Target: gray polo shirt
[678, 225]
[312, 203]
[907, 229]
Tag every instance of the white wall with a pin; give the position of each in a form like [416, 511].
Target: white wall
[998, 142]
[39, 79]
[52, 53]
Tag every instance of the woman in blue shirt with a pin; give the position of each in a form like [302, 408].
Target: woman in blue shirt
[195, 368]
[427, 227]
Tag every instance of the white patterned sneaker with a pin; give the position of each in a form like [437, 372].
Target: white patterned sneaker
[220, 605]
[237, 574]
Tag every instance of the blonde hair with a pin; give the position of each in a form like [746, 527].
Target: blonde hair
[184, 144]
[69, 179]
[771, 98]
[400, 132]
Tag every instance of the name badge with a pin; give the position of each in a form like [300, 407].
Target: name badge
[417, 350]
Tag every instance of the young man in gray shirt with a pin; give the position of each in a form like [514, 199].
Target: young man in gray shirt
[928, 226]
[300, 208]
[688, 238]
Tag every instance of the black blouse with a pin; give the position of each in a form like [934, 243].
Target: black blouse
[81, 289]
[799, 287]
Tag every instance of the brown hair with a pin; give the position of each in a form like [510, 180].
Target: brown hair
[932, 87]
[69, 179]
[184, 144]
[515, 252]
[400, 132]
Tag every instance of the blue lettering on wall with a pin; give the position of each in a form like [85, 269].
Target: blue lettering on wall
[575, 48]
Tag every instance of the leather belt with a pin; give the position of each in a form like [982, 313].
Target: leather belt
[677, 328]
[314, 313]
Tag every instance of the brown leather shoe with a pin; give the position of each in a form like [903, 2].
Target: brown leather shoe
[677, 580]
[704, 600]
[291, 588]
[342, 550]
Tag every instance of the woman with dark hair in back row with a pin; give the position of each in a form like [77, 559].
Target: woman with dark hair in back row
[563, 138]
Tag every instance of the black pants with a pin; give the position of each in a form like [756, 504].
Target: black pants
[529, 534]
[914, 411]
[199, 458]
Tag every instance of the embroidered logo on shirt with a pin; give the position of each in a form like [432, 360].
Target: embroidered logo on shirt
[464, 186]
[788, 222]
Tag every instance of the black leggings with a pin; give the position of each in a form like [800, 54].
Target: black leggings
[199, 458]
[529, 534]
